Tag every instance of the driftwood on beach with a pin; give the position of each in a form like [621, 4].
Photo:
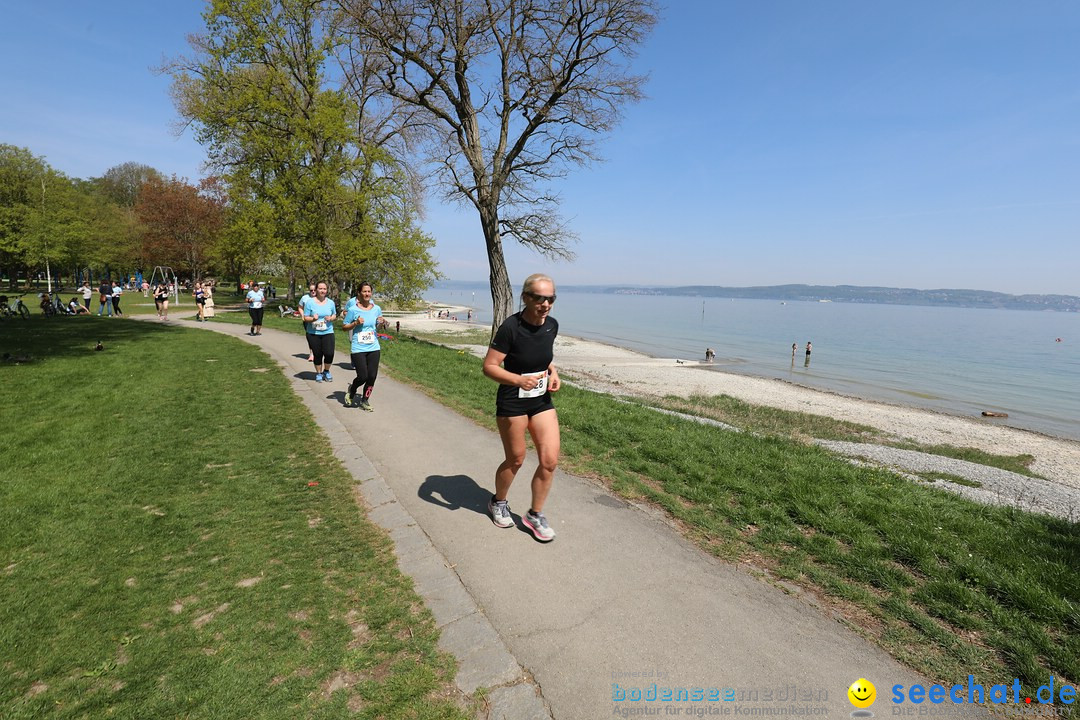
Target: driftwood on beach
[991, 413]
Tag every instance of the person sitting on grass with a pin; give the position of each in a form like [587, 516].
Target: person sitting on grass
[75, 308]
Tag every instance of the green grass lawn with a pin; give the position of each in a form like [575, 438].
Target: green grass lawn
[946, 585]
[179, 541]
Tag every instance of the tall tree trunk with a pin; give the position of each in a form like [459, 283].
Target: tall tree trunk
[502, 296]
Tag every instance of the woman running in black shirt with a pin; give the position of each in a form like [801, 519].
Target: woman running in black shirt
[520, 360]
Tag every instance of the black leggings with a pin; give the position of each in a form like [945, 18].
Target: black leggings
[257, 317]
[366, 365]
[322, 348]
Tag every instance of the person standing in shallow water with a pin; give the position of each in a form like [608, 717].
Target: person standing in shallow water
[809, 347]
[520, 360]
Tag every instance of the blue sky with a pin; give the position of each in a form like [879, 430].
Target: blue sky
[907, 143]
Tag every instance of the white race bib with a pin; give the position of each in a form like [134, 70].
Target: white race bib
[540, 389]
[255, 304]
[366, 337]
[320, 324]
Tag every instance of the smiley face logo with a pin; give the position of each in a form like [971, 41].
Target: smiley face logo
[862, 693]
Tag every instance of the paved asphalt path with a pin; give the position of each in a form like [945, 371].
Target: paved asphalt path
[617, 602]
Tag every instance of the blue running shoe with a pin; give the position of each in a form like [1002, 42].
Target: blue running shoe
[318, 377]
[327, 376]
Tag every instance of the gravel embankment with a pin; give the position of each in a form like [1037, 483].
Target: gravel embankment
[998, 487]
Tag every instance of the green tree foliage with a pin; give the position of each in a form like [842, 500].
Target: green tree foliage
[49, 221]
[114, 195]
[20, 173]
[121, 184]
[303, 183]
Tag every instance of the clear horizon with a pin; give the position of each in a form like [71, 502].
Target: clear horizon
[747, 287]
[912, 145]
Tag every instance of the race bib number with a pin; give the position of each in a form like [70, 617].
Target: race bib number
[255, 304]
[540, 389]
[365, 337]
[320, 324]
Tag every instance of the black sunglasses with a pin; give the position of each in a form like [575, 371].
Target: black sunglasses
[542, 298]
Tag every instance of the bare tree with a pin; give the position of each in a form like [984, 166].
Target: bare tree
[506, 95]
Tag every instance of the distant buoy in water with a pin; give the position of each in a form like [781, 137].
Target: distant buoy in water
[1058, 340]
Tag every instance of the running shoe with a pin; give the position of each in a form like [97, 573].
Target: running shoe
[499, 510]
[318, 377]
[327, 376]
[365, 405]
[539, 526]
[348, 399]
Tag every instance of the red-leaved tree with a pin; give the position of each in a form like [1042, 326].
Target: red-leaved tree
[180, 223]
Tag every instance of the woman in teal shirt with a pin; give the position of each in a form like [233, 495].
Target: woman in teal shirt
[320, 312]
[362, 318]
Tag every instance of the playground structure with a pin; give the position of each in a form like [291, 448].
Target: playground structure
[167, 276]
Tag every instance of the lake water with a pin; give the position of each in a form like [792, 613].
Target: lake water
[957, 360]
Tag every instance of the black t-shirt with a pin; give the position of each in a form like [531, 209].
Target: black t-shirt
[529, 348]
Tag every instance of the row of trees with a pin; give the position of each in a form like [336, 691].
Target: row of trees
[135, 218]
[323, 116]
[130, 217]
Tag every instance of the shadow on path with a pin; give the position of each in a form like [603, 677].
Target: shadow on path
[454, 492]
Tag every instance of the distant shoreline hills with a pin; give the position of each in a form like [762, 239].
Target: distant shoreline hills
[837, 293]
[857, 294]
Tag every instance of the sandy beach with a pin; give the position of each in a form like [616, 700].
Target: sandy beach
[620, 371]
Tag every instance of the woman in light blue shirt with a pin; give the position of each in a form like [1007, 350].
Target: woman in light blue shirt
[319, 314]
[362, 318]
[256, 299]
